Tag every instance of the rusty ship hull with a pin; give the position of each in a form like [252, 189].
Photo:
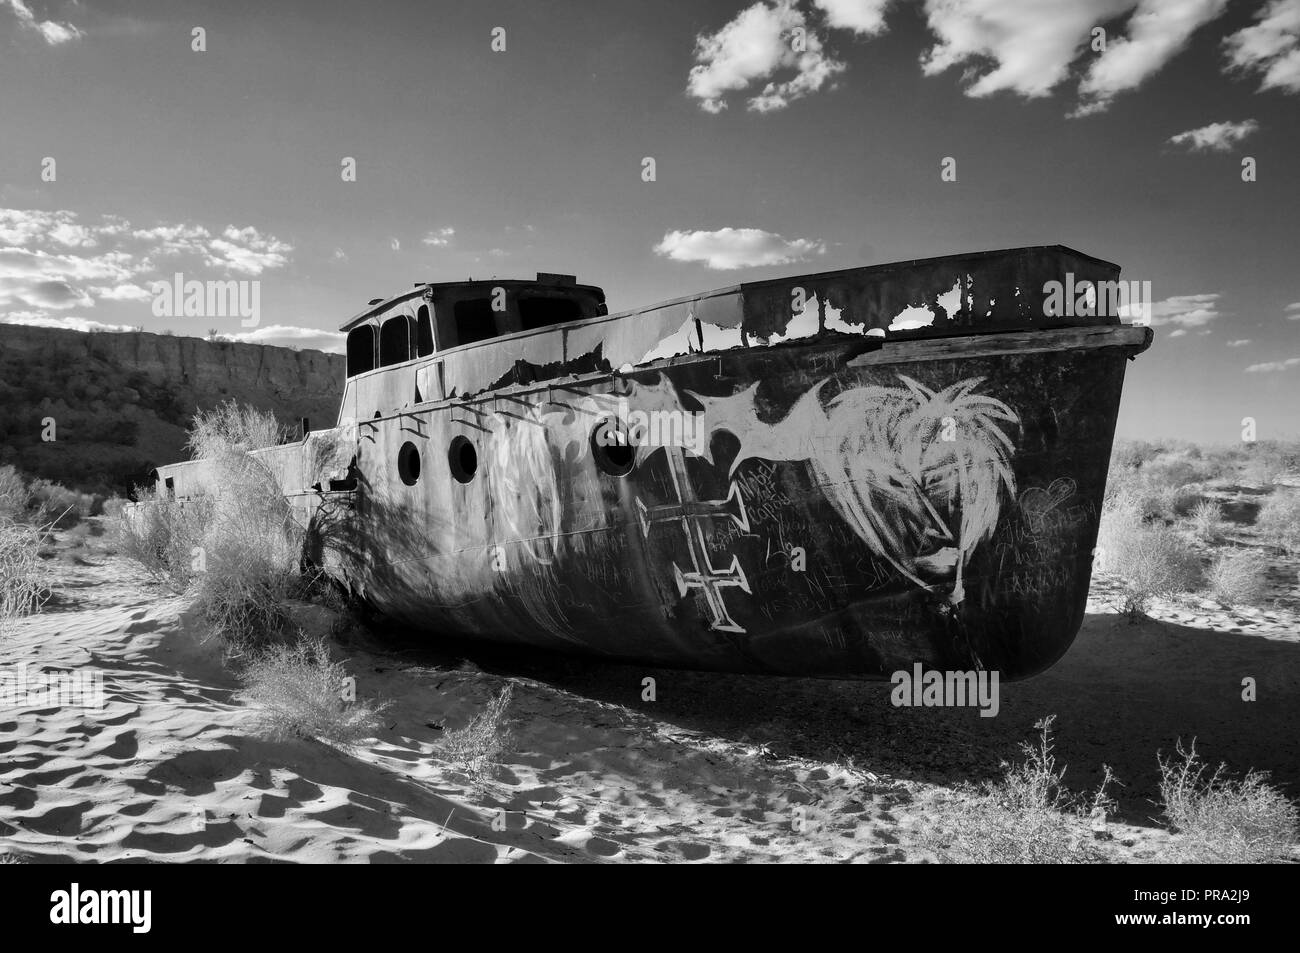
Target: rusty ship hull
[800, 477]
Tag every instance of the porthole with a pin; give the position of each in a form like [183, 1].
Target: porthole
[612, 447]
[408, 464]
[463, 459]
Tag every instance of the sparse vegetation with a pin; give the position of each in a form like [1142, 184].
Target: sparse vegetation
[1222, 820]
[232, 427]
[251, 548]
[300, 693]
[1279, 520]
[1151, 561]
[1206, 521]
[239, 551]
[13, 494]
[475, 748]
[1028, 816]
[1237, 578]
[24, 581]
[162, 535]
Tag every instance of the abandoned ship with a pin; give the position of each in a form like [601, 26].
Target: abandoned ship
[838, 474]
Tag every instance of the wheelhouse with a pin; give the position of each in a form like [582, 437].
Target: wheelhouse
[435, 318]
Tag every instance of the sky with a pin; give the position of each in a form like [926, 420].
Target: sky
[499, 139]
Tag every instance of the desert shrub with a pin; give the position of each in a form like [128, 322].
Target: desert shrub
[1223, 820]
[1206, 521]
[1173, 472]
[1150, 561]
[1028, 816]
[302, 694]
[251, 550]
[112, 507]
[475, 749]
[13, 494]
[162, 534]
[1132, 454]
[56, 505]
[24, 581]
[1237, 578]
[232, 427]
[1266, 460]
[1279, 520]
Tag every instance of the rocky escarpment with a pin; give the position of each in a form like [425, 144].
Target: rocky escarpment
[97, 411]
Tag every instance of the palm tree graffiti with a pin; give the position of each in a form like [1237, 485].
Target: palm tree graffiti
[919, 474]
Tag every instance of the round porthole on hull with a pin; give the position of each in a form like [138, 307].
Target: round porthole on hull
[612, 447]
[463, 459]
[408, 464]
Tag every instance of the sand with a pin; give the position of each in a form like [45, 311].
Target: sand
[717, 768]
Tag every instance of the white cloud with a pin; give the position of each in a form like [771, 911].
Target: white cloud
[68, 322]
[864, 17]
[1293, 311]
[247, 251]
[56, 261]
[1030, 52]
[1157, 32]
[1270, 47]
[754, 46]
[1188, 311]
[54, 33]
[1217, 136]
[729, 248]
[441, 236]
[1271, 367]
[339, 255]
[283, 335]
[1177, 332]
[125, 292]
[1240, 342]
[395, 244]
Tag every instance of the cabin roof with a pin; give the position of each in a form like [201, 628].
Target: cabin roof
[427, 288]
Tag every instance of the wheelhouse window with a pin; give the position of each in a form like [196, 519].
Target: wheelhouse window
[539, 311]
[424, 332]
[361, 350]
[395, 341]
[475, 320]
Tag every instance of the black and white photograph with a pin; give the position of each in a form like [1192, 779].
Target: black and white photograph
[720, 432]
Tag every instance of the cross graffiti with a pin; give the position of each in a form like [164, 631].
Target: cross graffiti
[689, 513]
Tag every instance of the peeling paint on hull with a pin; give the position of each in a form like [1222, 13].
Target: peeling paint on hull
[837, 505]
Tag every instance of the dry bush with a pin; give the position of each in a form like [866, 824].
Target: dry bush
[1132, 454]
[1028, 816]
[1279, 520]
[302, 694]
[475, 749]
[251, 548]
[232, 427]
[1237, 578]
[1206, 521]
[24, 580]
[1222, 820]
[1266, 460]
[162, 534]
[1174, 472]
[1150, 561]
[56, 505]
[13, 494]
